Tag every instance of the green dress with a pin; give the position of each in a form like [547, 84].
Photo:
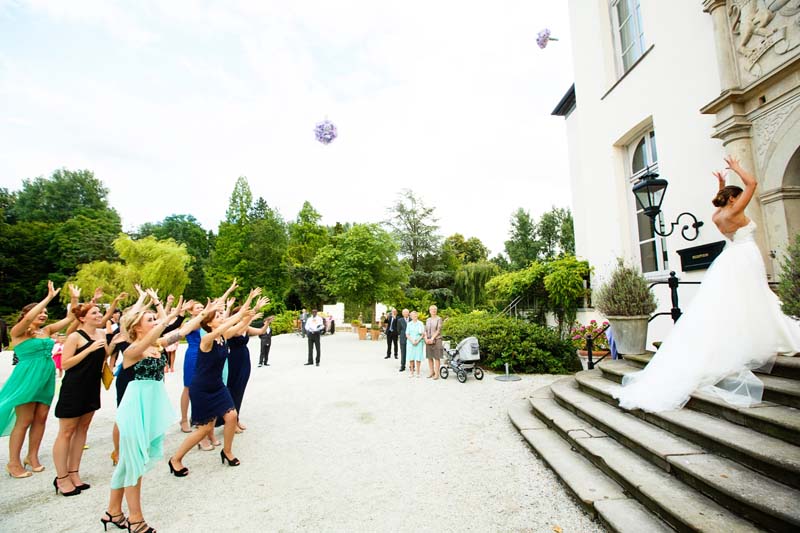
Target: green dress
[143, 416]
[414, 330]
[33, 380]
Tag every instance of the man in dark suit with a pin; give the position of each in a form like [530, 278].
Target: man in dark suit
[390, 327]
[401, 333]
[266, 343]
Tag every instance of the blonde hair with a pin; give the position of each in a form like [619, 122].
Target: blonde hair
[130, 320]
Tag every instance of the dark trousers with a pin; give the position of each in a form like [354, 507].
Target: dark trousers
[403, 354]
[313, 340]
[264, 358]
[391, 338]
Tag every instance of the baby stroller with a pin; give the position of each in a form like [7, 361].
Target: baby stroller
[462, 360]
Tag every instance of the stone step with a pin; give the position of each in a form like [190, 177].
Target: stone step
[784, 367]
[595, 491]
[776, 421]
[743, 491]
[681, 506]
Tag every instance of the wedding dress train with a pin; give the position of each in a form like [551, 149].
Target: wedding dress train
[733, 325]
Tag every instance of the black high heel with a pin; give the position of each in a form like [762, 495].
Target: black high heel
[140, 529]
[231, 462]
[183, 472]
[121, 524]
[73, 492]
[82, 486]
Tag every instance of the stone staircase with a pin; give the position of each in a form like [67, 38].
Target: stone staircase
[707, 467]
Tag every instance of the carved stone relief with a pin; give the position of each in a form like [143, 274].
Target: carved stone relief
[764, 129]
[765, 34]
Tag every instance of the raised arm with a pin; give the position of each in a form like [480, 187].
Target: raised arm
[205, 342]
[113, 307]
[74, 295]
[749, 182]
[153, 293]
[19, 329]
[263, 329]
[720, 179]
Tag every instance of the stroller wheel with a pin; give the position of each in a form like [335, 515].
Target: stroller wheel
[478, 373]
[444, 372]
[462, 376]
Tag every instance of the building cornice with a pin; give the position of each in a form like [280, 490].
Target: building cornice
[567, 103]
[738, 96]
[783, 193]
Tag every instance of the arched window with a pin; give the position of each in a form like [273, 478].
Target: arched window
[652, 248]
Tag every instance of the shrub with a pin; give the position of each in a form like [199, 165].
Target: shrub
[625, 294]
[284, 322]
[789, 286]
[525, 346]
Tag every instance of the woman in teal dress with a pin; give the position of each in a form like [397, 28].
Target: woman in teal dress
[144, 414]
[414, 346]
[26, 396]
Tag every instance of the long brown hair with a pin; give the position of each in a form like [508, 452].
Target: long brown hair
[725, 194]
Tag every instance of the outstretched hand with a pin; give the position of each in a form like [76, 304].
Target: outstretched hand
[74, 291]
[52, 291]
[733, 164]
[720, 175]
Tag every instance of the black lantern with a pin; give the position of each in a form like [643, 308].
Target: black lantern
[649, 193]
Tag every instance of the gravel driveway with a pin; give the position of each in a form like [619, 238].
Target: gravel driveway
[352, 445]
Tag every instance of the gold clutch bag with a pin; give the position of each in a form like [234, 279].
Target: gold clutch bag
[108, 376]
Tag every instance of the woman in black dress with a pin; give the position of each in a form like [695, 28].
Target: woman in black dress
[82, 360]
[239, 364]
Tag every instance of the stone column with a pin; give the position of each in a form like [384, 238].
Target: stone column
[726, 62]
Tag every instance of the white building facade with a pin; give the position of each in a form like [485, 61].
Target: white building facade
[671, 87]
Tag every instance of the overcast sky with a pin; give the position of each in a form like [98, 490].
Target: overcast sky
[169, 102]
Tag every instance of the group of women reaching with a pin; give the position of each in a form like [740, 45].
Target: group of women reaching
[144, 411]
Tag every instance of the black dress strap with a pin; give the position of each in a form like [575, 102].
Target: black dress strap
[86, 336]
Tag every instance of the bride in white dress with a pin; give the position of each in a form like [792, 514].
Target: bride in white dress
[733, 325]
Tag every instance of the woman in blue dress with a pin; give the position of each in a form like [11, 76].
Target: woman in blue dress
[414, 345]
[26, 397]
[208, 394]
[144, 413]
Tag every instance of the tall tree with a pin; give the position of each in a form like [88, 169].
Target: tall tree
[240, 204]
[464, 250]
[306, 236]
[185, 229]
[556, 234]
[361, 265]
[63, 195]
[82, 239]
[415, 227]
[522, 247]
[470, 282]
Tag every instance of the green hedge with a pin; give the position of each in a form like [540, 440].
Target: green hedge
[527, 347]
[284, 322]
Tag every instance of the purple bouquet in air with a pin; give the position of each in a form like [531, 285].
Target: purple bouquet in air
[325, 131]
[543, 37]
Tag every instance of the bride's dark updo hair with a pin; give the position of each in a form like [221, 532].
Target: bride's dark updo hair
[725, 194]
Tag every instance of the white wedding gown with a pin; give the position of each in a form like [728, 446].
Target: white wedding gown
[733, 325]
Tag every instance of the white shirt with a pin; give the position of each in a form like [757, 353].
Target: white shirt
[314, 324]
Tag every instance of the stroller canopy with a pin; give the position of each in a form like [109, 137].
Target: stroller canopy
[468, 349]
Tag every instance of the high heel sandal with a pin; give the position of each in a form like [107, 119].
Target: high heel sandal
[121, 524]
[73, 492]
[140, 529]
[26, 474]
[114, 458]
[210, 447]
[231, 462]
[38, 469]
[183, 472]
[82, 486]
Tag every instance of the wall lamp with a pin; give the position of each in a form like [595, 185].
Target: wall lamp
[649, 193]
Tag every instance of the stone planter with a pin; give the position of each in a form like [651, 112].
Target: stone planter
[583, 355]
[362, 334]
[375, 334]
[630, 333]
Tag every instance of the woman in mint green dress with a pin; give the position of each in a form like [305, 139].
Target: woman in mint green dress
[415, 348]
[26, 396]
[145, 412]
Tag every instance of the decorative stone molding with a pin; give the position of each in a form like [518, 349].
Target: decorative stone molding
[764, 33]
[791, 192]
[765, 126]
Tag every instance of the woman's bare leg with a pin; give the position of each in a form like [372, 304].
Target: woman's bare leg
[25, 414]
[36, 433]
[185, 427]
[230, 432]
[76, 448]
[67, 427]
[188, 443]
